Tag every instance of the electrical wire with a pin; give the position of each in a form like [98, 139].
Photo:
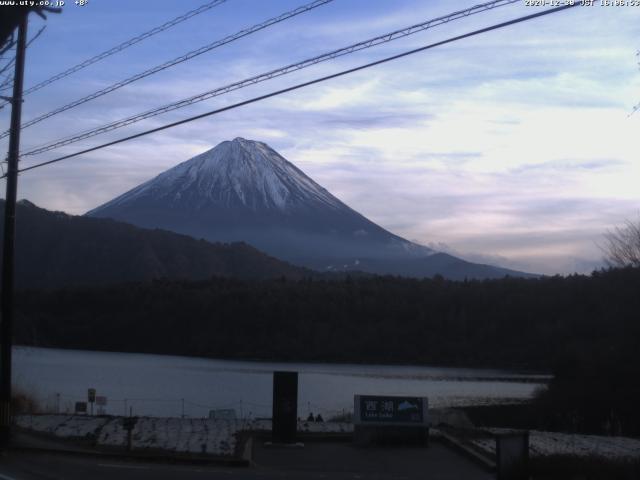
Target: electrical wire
[5, 84]
[125, 44]
[306, 84]
[10, 42]
[387, 37]
[176, 61]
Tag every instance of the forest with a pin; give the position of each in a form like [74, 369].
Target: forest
[583, 329]
[529, 324]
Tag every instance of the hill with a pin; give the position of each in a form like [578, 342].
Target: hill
[54, 249]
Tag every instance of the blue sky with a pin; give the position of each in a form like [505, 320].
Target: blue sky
[514, 148]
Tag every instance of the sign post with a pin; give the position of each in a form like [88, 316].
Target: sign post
[91, 397]
[128, 424]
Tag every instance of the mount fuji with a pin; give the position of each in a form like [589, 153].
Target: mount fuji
[243, 190]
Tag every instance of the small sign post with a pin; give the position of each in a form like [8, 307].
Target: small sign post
[91, 397]
[129, 423]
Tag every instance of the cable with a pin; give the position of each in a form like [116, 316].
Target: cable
[305, 84]
[7, 65]
[5, 85]
[10, 42]
[176, 61]
[33, 39]
[126, 44]
[272, 74]
[269, 75]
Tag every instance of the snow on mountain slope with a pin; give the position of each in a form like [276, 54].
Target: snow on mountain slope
[238, 172]
[243, 190]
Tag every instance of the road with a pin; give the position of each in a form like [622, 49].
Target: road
[314, 461]
[46, 466]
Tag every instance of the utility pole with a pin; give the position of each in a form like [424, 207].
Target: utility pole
[6, 327]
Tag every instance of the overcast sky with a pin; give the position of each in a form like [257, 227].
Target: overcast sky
[516, 147]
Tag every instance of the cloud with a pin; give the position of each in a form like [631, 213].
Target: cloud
[515, 147]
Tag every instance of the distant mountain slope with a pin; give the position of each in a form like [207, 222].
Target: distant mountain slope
[448, 266]
[243, 190]
[54, 249]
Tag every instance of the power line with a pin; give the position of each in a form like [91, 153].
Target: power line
[176, 61]
[5, 83]
[305, 84]
[126, 44]
[388, 37]
[7, 65]
[8, 44]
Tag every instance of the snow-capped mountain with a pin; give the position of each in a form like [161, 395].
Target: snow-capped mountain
[238, 174]
[243, 190]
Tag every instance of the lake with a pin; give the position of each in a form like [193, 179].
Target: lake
[163, 385]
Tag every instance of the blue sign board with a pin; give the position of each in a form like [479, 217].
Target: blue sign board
[390, 410]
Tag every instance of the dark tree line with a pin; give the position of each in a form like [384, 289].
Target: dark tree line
[516, 323]
[585, 329]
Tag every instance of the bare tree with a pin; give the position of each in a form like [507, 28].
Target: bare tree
[622, 245]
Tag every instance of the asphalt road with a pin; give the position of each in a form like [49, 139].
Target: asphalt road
[46, 466]
[314, 461]
[344, 460]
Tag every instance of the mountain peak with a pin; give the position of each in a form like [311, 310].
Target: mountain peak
[237, 173]
[244, 143]
[242, 140]
[26, 203]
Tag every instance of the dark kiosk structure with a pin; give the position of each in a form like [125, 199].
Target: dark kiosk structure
[285, 407]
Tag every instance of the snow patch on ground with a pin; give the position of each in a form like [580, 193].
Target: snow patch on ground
[181, 435]
[219, 436]
[543, 444]
[264, 425]
[63, 426]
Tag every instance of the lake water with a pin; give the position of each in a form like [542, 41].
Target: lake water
[162, 385]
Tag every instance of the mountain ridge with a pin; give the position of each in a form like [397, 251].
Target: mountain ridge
[54, 249]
